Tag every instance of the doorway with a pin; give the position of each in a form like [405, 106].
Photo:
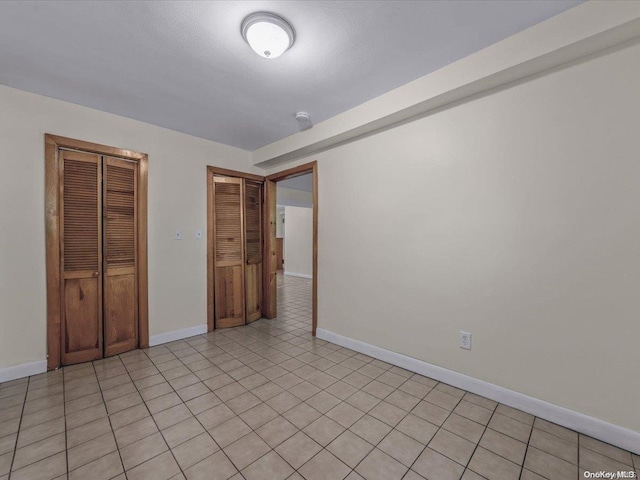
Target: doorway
[272, 267]
[96, 251]
[269, 239]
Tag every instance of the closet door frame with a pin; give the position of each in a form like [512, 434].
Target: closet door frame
[53, 198]
[212, 172]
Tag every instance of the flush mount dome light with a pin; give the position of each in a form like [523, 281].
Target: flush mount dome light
[267, 34]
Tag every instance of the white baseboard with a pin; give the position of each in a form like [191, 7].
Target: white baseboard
[301, 275]
[20, 371]
[27, 369]
[607, 432]
[177, 335]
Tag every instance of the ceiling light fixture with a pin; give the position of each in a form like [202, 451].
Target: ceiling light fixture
[268, 34]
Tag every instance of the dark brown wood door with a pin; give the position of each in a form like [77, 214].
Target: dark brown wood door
[228, 234]
[280, 253]
[253, 249]
[120, 262]
[81, 257]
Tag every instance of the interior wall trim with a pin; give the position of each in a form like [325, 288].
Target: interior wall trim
[594, 427]
[23, 370]
[166, 337]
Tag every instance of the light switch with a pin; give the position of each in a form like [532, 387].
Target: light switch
[199, 234]
[178, 235]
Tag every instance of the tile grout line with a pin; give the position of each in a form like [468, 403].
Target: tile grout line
[108, 419]
[24, 403]
[64, 413]
[194, 416]
[486, 427]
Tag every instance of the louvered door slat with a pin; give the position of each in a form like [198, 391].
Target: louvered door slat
[81, 246]
[120, 238]
[253, 249]
[228, 252]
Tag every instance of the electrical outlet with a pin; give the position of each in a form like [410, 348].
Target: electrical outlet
[177, 235]
[465, 340]
[198, 234]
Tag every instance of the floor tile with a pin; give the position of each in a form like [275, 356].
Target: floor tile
[46, 469]
[181, 432]
[193, 451]
[142, 450]
[228, 432]
[417, 428]
[387, 413]
[245, 451]
[271, 467]
[503, 445]
[432, 465]
[463, 427]
[42, 431]
[556, 446]
[276, 431]
[473, 412]
[431, 413]
[350, 448]
[214, 467]
[510, 427]
[324, 466]
[371, 429]
[323, 430]
[605, 449]
[492, 466]
[302, 415]
[38, 451]
[161, 467]
[377, 465]
[452, 446]
[298, 449]
[362, 401]
[172, 416]
[215, 416]
[104, 468]
[126, 417]
[401, 447]
[135, 431]
[549, 466]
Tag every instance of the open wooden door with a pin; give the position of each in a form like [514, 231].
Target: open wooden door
[81, 257]
[228, 245]
[253, 249]
[120, 180]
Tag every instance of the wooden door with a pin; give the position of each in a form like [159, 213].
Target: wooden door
[280, 253]
[253, 249]
[81, 257]
[228, 246]
[120, 179]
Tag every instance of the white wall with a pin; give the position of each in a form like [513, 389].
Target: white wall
[293, 198]
[514, 216]
[177, 199]
[298, 241]
[280, 222]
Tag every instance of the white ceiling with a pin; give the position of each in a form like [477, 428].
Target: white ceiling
[183, 65]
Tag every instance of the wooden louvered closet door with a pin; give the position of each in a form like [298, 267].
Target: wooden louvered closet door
[120, 262]
[253, 249]
[228, 252]
[81, 257]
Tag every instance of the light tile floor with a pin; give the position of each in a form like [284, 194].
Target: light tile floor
[268, 401]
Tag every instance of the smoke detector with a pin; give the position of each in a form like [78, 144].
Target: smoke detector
[304, 121]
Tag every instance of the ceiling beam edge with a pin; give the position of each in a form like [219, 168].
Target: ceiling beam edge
[511, 60]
